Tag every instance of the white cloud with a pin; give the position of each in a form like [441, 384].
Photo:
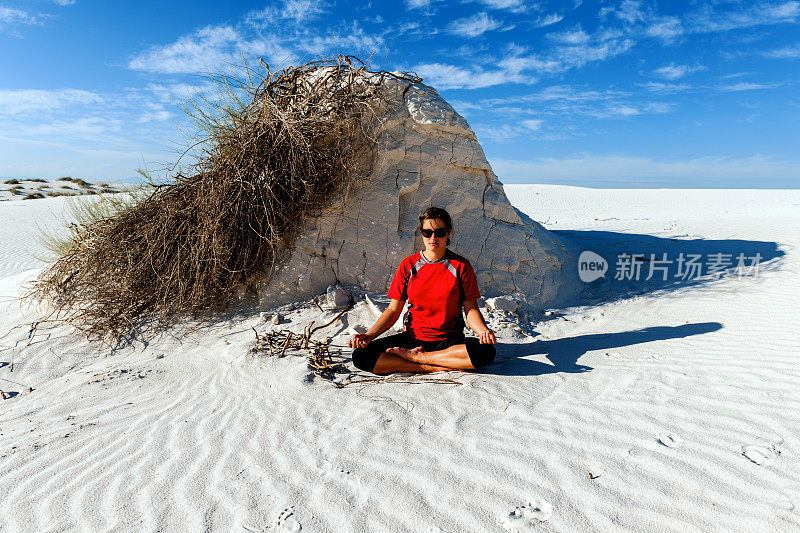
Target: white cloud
[222, 47]
[297, 11]
[418, 4]
[303, 10]
[578, 56]
[473, 26]
[64, 2]
[666, 88]
[10, 16]
[608, 34]
[411, 28]
[631, 109]
[530, 129]
[642, 17]
[209, 49]
[763, 13]
[631, 11]
[27, 101]
[515, 49]
[532, 124]
[568, 101]
[500, 134]
[567, 94]
[516, 63]
[576, 36]
[82, 127]
[575, 50]
[178, 91]
[444, 76]
[673, 71]
[510, 5]
[665, 28]
[718, 170]
[788, 52]
[154, 116]
[342, 41]
[788, 10]
[747, 86]
[548, 20]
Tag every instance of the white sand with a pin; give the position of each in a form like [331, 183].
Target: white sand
[681, 401]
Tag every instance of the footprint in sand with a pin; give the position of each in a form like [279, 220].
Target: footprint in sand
[786, 502]
[650, 357]
[614, 356]
[764, 451]
[357, 495]
[638, 451]
[671, 441]
[526, 517]
[287, 522]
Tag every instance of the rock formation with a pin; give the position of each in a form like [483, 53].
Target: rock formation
[427, 156]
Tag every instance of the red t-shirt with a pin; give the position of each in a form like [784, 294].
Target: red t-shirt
[436, 291]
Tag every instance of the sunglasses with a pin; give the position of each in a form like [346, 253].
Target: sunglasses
[428, 233]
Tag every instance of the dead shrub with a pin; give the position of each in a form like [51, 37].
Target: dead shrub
[280, 146]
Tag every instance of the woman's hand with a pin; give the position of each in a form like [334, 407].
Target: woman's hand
[385, 321]
[360, 340]
[487, 337]
[477, 324]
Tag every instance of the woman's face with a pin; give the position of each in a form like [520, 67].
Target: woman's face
[434, 243]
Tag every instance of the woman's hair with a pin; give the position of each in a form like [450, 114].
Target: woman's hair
[436, 212]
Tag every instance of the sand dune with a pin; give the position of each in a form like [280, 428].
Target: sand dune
[646, 406]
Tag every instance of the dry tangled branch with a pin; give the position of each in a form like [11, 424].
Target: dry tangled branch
[280, 147]
[320, 359]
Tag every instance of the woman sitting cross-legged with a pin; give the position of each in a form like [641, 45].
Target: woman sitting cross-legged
[437, 283]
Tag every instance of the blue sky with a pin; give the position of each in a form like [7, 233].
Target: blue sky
[629, 93]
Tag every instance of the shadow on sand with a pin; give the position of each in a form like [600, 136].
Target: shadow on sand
[615, 246]
[564, 353]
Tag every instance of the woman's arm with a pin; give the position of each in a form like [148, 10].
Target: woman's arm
[476, 322]
[384, 322]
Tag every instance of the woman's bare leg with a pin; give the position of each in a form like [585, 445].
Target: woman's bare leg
[388, 363]
[455, 357]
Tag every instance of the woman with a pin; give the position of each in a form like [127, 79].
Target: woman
[437, 283]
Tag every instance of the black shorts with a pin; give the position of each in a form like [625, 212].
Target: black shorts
[480, 355]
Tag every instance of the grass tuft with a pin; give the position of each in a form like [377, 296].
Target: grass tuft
[81, 211]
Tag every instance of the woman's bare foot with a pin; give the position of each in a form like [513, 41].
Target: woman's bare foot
[408, 355]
